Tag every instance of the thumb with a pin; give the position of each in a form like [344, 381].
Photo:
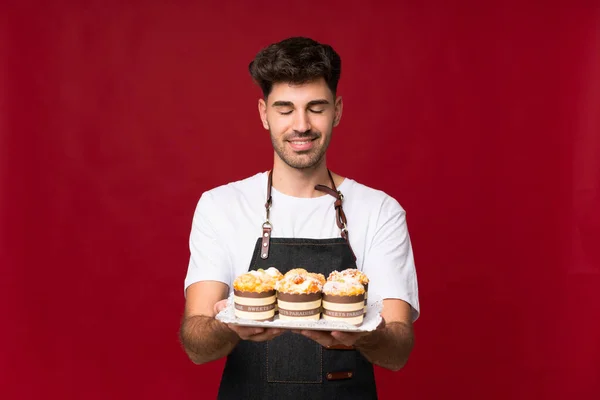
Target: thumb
[220, 306]
[381, 324]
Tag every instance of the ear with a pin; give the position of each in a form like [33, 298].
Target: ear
[262, 111]
[339, 106]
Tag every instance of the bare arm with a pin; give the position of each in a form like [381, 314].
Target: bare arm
[389, 346]
[204, 338]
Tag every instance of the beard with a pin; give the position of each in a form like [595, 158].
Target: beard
[301, 159]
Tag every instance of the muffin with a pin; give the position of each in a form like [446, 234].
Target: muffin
[319, 277]
[296, 271]
[254, 295]
[299, 295]
[354, 274]
[273, 273]
[344, 300]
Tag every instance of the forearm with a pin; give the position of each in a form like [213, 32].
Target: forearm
[389, 347]
[205, 339]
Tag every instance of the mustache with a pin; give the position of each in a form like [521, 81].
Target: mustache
[302, 135]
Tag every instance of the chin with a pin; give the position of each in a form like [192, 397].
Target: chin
[301, 164]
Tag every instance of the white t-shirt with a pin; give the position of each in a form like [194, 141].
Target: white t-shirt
[228, 221]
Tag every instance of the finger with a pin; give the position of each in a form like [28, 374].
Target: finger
[347, 335]
[258, 334]
[246, 332]
[267, 335]
[346, 338]
[274, 331]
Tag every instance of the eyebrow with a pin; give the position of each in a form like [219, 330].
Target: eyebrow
[282, 103]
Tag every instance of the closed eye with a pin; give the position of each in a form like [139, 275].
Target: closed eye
[316, 111]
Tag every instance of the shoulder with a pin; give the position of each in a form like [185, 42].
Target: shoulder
[249, 185]
[233, 192]
[364, 196]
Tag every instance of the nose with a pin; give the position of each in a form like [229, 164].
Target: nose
[301, 122]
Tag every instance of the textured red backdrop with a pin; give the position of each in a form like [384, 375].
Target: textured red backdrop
[482, 120]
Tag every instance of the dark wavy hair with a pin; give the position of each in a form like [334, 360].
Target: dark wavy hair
[296, 60]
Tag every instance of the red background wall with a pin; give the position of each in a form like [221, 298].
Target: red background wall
[482, 119]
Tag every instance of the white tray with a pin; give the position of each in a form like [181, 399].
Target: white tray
[371, 320]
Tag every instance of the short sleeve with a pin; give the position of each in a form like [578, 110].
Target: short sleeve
[209, 259]
[389, 261]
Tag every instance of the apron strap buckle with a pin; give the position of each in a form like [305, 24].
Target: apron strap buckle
[266, 240]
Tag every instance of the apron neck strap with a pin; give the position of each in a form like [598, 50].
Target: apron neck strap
[332, 191]
[340, 216]
[339, 211]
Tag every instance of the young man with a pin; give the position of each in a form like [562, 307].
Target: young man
[295, 216]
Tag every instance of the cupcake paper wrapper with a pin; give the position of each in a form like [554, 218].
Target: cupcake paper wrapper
[257, 306]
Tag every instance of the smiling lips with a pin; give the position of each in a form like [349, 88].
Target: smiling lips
[302, 144]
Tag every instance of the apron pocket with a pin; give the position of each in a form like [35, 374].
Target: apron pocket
[340, 364]
[293, 358]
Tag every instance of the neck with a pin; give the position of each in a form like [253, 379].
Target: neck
[300, 182]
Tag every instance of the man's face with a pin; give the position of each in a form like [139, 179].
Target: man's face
[300, 119]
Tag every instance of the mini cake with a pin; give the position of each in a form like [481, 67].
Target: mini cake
[355, 274]
[254, 294]
[344, 300]
[299, 296]
[273, 273]
[296, 271]
[319, 277]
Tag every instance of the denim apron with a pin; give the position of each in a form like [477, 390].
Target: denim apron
[292, 366]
